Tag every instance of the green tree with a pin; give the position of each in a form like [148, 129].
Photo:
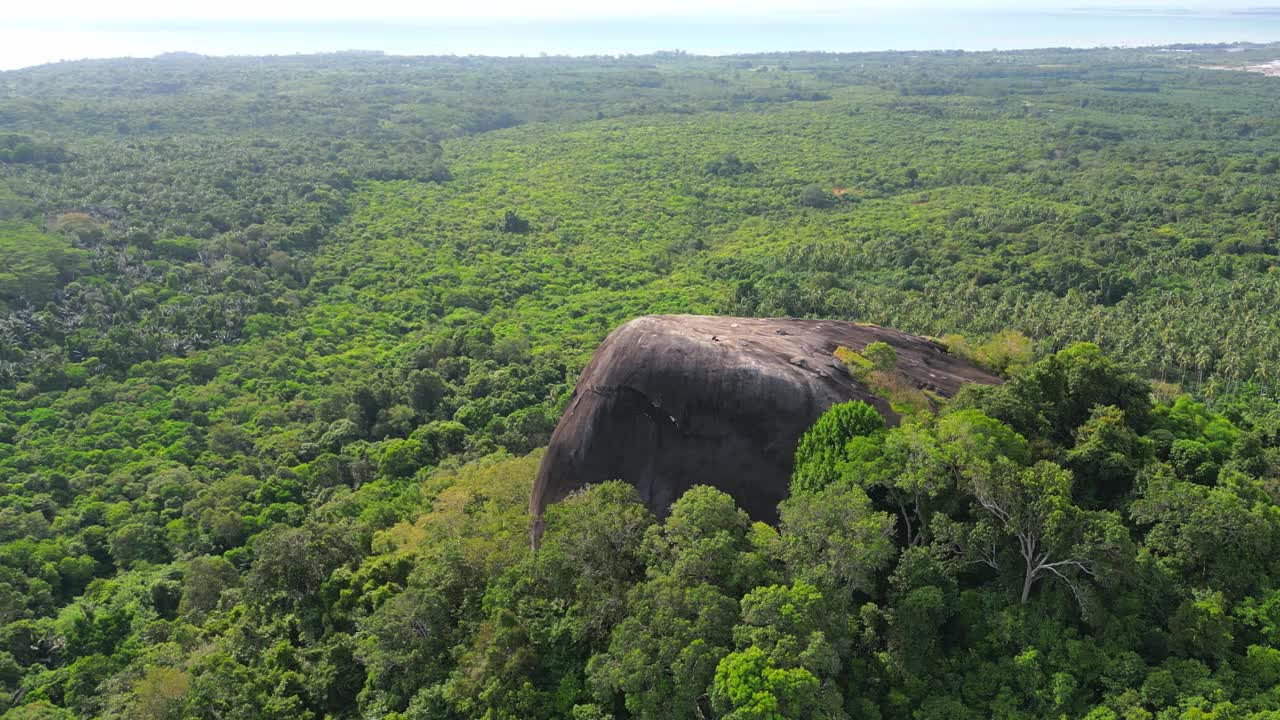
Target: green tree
[1052, 537]
[1107, 456]
[159, 694]
[1193, 461]
[292, 564]
[1056, 395]
[814, 196]
[556, 606]
[39, 710]
[748, 687]
[662, 656]
[790, 626]
[909, 468]
[137, 542]
[881, 355]
[922, 598]
[1208, 536]
[822, 448]
[34, 264]
[835, 540]
[205, 579]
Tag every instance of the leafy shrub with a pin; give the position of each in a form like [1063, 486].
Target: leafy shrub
[822, 447]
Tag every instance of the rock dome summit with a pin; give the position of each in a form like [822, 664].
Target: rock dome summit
[672, 401]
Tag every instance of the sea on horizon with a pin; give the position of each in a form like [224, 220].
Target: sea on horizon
[26, 43]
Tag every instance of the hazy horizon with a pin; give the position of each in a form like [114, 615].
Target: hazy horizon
[142, 28]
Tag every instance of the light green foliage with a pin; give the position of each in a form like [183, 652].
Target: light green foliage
[1187, 419]
[852, 359]
[775, 614]
[1200, 532]
[822, 447]
[882, 356]
[40, 710]
[972, 441]
[1006, 352]
[835, 539]
[160, 693]
[749, 687]
[790, 628]
[33, 265]
[907, 469]
[877, 371]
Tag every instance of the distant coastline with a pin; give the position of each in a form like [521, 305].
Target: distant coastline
[25, 43]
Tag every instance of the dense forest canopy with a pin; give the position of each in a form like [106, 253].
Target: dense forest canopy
[281, 338]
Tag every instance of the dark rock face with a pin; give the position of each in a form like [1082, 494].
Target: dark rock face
[672, 401]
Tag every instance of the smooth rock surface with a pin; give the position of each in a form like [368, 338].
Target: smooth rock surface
[672, 401]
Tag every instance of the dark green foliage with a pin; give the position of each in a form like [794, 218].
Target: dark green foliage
[1192, 460]
[513, 223]
[1058, 394]
[203, 583]
[16, 148]
[729, 165]
[813, 196]
[1107, 455]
